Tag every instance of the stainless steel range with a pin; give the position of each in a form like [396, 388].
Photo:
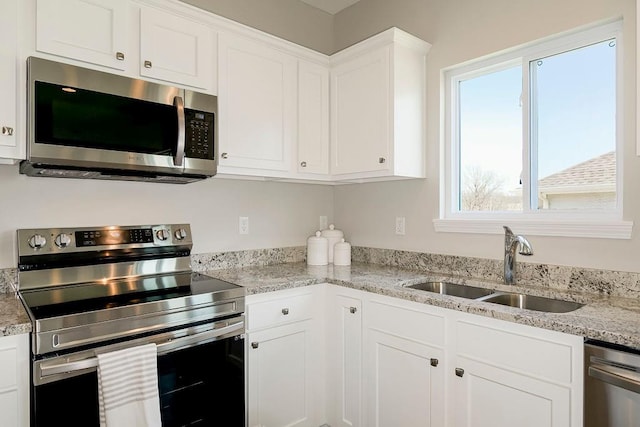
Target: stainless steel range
[98, 289]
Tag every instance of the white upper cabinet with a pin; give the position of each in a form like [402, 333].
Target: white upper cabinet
[93, 31]
[161, 44]
[257, 107]
[378, 113]
[9, 147]
[313, 119]
[176, 49]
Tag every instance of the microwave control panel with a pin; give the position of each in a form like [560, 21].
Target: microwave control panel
[199, 134]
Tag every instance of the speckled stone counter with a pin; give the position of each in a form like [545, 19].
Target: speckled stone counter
[606, 318]
[13, 317]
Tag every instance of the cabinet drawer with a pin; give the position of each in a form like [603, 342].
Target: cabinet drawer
[407, 322]
[515, 350]
[279, 311]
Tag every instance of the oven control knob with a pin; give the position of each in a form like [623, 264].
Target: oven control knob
[62, 240]
[162, 234]
[37, 241]
[180, 233]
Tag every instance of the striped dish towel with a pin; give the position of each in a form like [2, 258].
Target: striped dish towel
[128, 387]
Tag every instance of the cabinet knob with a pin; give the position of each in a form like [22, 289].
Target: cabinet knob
[285, 311]
[352, 310]
[434, 362]
[120, 56]
[381, 160]
[147, 64]
[459, 372]
[303, 164]
[224, 155]
[254, 344]
[6, 130]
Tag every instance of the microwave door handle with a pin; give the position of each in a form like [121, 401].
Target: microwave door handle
[178, 159]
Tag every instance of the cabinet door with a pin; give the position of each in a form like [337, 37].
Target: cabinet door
[405, 383]
[346, 334]
[256, 105]
[93, 31]
[313, 118]
[489, 396]
[8, 75]
[279, 376]
[14, 380]
[176, 49]
[506, 374]
[361, 114]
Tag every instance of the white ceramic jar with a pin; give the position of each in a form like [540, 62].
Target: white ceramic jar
[333, 236]
[342, 253]
[317, 250]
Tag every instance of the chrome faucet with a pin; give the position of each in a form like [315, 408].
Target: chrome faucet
[511, 243]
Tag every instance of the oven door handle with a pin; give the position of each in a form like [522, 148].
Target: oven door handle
[168, 346]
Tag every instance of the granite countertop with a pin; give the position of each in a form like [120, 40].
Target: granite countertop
[14, 319]
[611, 319]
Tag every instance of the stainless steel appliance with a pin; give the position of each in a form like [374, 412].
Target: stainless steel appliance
[89, 124]
[97, 289]
[612, 385]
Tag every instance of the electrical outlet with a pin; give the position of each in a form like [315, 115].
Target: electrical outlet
[323, 222]
[400, 225]
[243, 225]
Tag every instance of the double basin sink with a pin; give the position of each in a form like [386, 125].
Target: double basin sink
[511, 299]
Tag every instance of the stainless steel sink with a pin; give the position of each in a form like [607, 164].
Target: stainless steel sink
[530, 302]
[453, 289]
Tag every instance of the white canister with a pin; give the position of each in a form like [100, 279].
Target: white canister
[342, 253]
[333, 236]
[317, 250]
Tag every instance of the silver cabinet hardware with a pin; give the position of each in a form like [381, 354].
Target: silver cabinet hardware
[352, 310]
[120, 56]
[381, 160]
[254, 344]
[224, 155]
[285, 311]
[303, 164]
[459, 372]
[6, 130]
[147, 64]
[434, 362]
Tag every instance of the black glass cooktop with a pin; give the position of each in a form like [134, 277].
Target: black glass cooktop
[87, 297]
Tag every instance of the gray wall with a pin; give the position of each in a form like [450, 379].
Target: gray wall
[280, 214]
[461, 30]
[291, 20]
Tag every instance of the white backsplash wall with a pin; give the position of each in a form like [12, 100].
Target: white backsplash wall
[280, 214]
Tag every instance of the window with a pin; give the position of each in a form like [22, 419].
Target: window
[533, 136]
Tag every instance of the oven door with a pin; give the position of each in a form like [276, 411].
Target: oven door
[200, 377]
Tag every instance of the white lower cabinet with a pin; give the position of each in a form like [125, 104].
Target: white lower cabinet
[386, 362]
[14, 380]
[344, 355]
[405, 373]
[285, 359]
[513, 375]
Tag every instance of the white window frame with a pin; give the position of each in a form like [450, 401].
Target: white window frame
[570, 223]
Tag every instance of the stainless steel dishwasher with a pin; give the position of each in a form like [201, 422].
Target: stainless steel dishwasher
[611, 385]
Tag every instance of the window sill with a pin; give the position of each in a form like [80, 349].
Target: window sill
[599, 229]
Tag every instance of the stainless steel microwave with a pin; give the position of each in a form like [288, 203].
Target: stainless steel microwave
[83, 123]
